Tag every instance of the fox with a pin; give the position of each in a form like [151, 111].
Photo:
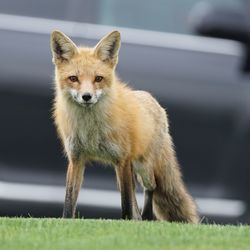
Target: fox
[100, 118]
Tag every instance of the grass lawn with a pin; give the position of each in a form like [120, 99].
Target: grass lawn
[21, 233]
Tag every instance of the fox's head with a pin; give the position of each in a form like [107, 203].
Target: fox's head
[85, 75]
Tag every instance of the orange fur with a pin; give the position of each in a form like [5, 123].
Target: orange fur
[122, 127]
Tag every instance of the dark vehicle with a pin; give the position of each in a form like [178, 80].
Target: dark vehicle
[203, 82]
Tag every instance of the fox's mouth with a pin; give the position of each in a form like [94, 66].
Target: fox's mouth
[84, 104]
[87, 104]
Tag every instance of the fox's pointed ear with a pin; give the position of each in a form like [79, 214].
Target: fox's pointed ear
[62, 47]
[108, 48]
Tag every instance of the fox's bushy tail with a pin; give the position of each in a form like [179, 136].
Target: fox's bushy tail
[171, 201]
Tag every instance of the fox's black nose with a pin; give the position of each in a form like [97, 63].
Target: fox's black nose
[86, 97]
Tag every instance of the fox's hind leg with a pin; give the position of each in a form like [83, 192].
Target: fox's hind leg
[126, 184]
[145, 176]
[147, 211]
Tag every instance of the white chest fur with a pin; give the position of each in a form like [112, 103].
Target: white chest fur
[91, 134]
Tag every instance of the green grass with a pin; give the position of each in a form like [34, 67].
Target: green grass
[26, 234]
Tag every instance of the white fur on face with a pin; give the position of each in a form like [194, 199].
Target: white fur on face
[97, 95]
[77, 96]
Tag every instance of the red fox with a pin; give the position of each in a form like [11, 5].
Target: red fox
[98, 117]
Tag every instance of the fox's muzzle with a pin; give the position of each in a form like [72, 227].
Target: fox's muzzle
[85, 98]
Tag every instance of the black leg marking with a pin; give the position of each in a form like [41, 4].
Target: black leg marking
[127, 212]
[147, 213]
[68, 210]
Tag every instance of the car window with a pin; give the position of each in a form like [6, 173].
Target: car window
[70, 10]
[56, 9]
[160, 15]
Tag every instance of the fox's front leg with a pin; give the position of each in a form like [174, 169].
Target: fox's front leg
[74, 180]
[125, 179]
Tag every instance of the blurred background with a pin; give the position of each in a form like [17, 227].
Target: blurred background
[193, 56]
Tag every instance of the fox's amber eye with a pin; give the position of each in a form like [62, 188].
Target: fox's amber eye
[73, 78]
[98, 78]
